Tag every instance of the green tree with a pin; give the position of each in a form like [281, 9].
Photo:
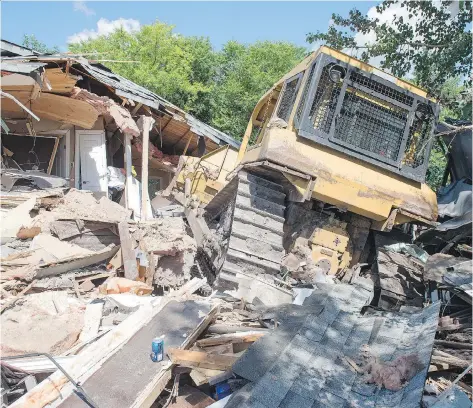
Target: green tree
[175, 67]
[456, 104]
[31, 42]
[244, 74]
[429, 38]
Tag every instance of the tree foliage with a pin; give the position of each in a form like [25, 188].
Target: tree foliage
[429, 38]
[219, 87]
[30, 41]
[244, 74]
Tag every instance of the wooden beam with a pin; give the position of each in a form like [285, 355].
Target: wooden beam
[128, 252]
[181, 138]
[53, 155]
[146, 124]
[136, 108]
[188, 358]
[129, 179]
[187, 145]
[167, 123]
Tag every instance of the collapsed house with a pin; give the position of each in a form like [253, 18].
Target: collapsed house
[75, 119]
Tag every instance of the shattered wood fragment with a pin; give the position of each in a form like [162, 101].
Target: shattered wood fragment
[224, 329]
[116, 262]
[189, 358]
[190, 397]
[128, 252]
[242, 337]
[202, 376]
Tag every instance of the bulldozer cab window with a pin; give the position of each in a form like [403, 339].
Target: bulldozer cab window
[288, 97]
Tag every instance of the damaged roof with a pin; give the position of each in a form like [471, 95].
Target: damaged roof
[308, 364]
[123, 87]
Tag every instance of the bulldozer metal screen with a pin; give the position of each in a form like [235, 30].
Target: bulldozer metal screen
[366, 116]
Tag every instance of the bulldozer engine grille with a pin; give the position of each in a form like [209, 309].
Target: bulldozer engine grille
[287, 99]
[385, 90]
[371, 124]
[325, 102]
[367, 115]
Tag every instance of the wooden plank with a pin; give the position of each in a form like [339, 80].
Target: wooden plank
[451, 361]
[156, 386]
[189, 358]
[226, 328]
[173, 182]
[136, 108]
[242, 337]
[53, 155]
[128, 252]
[146, 124]
[65, 110]
[187, 145]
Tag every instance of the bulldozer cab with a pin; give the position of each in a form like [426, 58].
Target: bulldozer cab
[337, 101]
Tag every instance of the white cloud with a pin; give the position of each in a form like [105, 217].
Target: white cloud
[82, 7]
[386, 17]
[105, 27]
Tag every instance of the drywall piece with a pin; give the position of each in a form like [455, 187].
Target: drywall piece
[111, 384]
[14, 219]
[57, 249]
[76, 263]
[92, 319]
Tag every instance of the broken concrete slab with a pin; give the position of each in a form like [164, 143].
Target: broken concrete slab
[92, 319]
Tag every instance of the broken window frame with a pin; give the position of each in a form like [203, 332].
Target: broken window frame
[305, 127]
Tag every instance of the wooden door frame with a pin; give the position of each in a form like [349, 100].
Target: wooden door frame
[66, 135]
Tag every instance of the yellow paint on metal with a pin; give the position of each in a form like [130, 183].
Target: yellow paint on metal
[323, 254]
[331, 237]
[343, 180]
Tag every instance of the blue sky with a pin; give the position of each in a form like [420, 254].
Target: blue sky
[54, 22]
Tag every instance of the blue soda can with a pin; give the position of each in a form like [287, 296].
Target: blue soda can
[157, 349]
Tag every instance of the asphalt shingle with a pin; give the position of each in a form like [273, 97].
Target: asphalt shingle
[310, 368]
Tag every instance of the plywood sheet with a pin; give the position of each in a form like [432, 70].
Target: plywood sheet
[127, 373]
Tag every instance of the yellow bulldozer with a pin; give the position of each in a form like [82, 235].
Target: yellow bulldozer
[334, 149]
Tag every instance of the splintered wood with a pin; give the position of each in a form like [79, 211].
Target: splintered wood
[189, 358]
